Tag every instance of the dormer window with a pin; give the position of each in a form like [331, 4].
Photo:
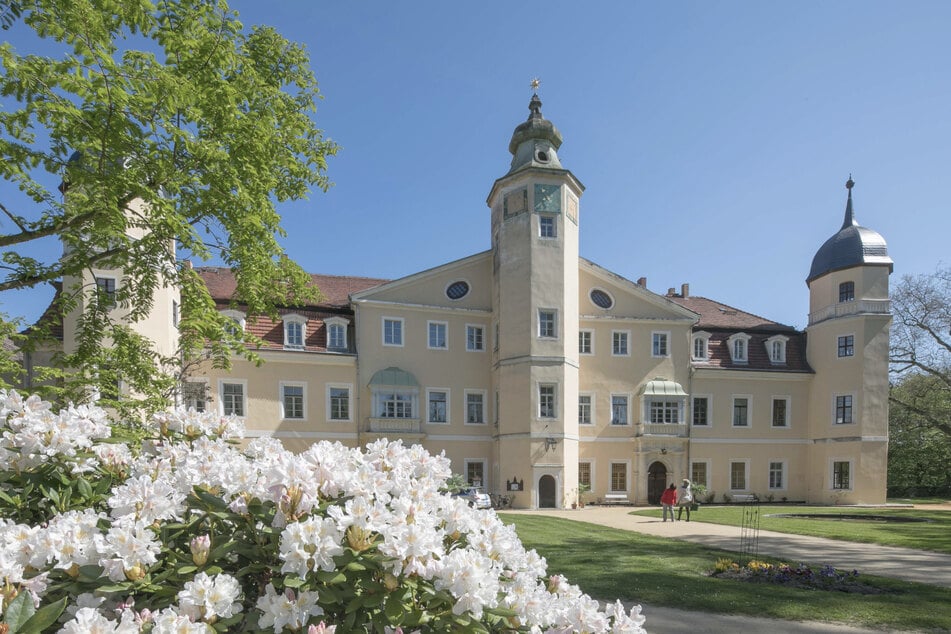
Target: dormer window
[739, 347]
[336, 333]
[847, 292]
[776, 349]
[234, 323]
[294, 332]
[701, 346]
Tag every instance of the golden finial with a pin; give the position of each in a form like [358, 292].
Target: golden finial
[536, 82]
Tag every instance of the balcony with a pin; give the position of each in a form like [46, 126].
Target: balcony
[398, 426]
[677, 430]
[843, 309]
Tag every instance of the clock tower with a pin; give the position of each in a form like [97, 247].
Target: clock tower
[535, 309]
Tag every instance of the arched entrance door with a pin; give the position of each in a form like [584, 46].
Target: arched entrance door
[546, 492]
[656, 482]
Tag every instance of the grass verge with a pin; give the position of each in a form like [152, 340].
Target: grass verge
[614, 564]
[928, 530]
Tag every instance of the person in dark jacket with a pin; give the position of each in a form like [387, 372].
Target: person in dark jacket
[667, 500]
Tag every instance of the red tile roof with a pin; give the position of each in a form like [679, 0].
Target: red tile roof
[713, 314]
[335, 289]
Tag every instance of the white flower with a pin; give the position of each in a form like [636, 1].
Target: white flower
[287, 609]
[310, 545]
[168, 621]
[90, 621]
[206, 598]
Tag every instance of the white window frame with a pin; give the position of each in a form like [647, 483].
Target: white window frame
[704, 339]
[439, 326]
[749, 411]
[591, 397]
[238, 317]
[657, 337]
[627, 409]
[779, 343]
[772, 421]
[290, 320]
[554, 403]
[746, 474]
[679, 402]
[542, 322]
[475, 343]
[835, 408]
[784, 471]
[201, 382]
[484, 485]
[402, 328]
[693, 477]
[333, 323]
[303, 386]
[244, 395]
[627, 476]
[618, 336]
[709, 400]
[832, 462]
[485, 406]
[379, 394]
[549, 220]
[103, 291]
[590, 463]
[444, 390]
[838, 346]
[733, 340]
[590, 335]
[329, 405]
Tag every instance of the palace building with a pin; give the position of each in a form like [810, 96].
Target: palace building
[540, 373]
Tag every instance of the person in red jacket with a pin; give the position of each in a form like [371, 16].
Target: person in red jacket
[668, 499]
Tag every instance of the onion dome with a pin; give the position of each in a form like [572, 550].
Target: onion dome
[853, 245]
[536, 141]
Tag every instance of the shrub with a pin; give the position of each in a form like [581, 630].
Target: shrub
[185, 532]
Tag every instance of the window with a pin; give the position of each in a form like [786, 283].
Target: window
[741, 411]
[232, 399]
[392, 332]
[585, 340]
[294, 332]
[338, 402]
[847, 292]
[193, 395]
[438, 406]
[701, 346]
[841, 474]
[336, 333]
[584, 409]
[619, 341]
[777, 475]
[619, 409]
[601, 299]
[846, 346]
[546, 227]
[546, 401]
[776, 349]
[457, 290]
[475, 408]
[393, 402]
[292, 400]
[701, 410]
[475, 338]
[475, 473]
[664, 411]
[618, 477]
[234, 322]
[546, 324]
[737, 476]
[739, 347]
[780, 411]
[176, 313]
[659, 344]
[698, 473]
[437, 335]
[843, 409]
[584, 473]
[106, 292]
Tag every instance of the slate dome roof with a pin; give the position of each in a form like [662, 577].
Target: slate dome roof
[853, 245]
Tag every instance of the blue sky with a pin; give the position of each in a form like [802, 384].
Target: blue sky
[714, 138]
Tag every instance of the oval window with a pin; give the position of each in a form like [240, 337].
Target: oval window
[601, 299]
[457, 290]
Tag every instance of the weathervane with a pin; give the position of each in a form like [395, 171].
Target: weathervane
[535, 83]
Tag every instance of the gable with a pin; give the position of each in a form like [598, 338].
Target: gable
[629, 300]
[470, 278]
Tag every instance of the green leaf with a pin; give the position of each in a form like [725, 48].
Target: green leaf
[19, 612]
[187, 570]
[85, 489]
[43, 618]
[294, 581]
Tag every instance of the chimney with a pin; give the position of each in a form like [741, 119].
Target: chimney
[642, 282]
[671, 292]
[685, 290]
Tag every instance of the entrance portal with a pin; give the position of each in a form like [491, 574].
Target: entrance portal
[546, 492]
[656, 482]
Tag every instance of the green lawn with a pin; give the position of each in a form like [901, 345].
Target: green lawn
[932, 534]
[613, 564]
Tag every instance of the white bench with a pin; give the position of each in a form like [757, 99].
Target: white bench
[742, 498]
[616, 498]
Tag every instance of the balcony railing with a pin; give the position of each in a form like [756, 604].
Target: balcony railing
[662, 429]
[394, 425]
[862, 307]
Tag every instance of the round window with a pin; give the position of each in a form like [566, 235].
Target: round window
[457, 290]
[601, 299]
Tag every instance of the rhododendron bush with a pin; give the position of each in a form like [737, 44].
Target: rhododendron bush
[183, 531]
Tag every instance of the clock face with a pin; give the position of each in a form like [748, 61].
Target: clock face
[548, 198]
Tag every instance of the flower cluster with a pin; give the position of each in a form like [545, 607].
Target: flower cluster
[800, 576]
[190, 533]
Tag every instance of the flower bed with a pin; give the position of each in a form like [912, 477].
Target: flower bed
[182, 531]
[800, 576]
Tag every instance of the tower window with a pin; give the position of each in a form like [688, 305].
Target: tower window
[847, 346]
[106, 287]
[843, 409]
[847, 292]
[546, 227]
[546, 324]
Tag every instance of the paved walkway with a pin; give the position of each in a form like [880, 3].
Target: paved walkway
[885, 561]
